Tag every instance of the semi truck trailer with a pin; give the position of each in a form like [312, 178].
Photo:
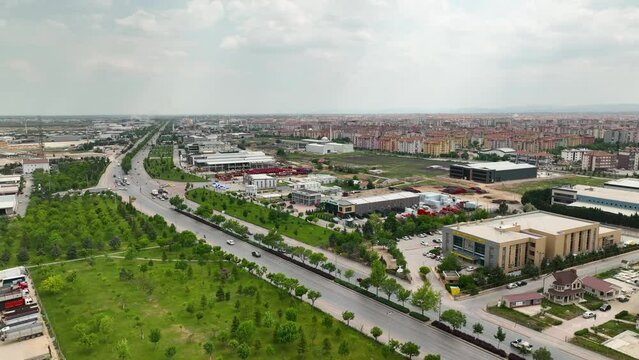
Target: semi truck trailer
[27, 332]
[20, 311]
[19, 320]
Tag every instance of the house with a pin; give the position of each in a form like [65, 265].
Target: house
[600, 288]
[519, 300]
[31, 165]
[566, 289]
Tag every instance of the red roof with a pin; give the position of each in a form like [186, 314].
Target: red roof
[523, 297]
[35, 161]
[597, 284]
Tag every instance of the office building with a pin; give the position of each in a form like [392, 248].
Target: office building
[31, 165]
[513, 241]
[493, 171]
[607, 199]
[306, 197]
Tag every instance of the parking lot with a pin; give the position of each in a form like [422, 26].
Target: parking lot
[414, 251]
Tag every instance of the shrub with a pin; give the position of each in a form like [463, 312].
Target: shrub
[471, 339]
[513, 356]
[419, 316]
[622, 314]
[582, 332]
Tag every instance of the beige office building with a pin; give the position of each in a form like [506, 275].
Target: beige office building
[512, 241]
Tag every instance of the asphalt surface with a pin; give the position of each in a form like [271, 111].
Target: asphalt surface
[336, 298]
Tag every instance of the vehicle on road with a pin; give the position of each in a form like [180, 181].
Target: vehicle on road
[521, 344]
[426, 253]
[605, 307]
[230, 242]
[256, 253]
[511, 286]
[588, 315]
[623, 299]
[154, 192]
[521, 283]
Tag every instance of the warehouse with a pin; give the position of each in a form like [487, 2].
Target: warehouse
[493, 171]
[628, 184]
[610, 200]
[513, 241]
[240, 160]
[7, 204]
[380, 203]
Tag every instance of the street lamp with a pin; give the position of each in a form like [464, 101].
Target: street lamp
[389, 314]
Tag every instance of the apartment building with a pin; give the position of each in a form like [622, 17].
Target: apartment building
[513, 241]
[597, 161]
[574, 155]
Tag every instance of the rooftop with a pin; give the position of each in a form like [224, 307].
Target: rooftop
[260, 176]
[500, 165]
[523, 297]
[9, 178]
[35, 161]
[7, 201]
[597, 284]
[565, 277]
[307, 192]
[627, 183]
[379, 198]
[517, 227]
[605, 193]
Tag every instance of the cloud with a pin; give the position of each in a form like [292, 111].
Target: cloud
[3, 23]
[55, 24]
[23, 69]
[233, 42]
[197, 14]
[175, 53]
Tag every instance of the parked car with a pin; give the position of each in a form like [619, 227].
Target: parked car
[470, 268]
[256, 253]
[623, 299]
[588, 315]
[511, 286]
[437, 241]
[423, 242]
[426, 253]
[605, 307]
[521, 344]
[230, 242]
[521, 283]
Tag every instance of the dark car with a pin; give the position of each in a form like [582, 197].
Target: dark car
[521, 283]
[256, 253]
[605, 307]
[623, 299]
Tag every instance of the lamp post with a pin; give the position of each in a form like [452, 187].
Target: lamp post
[389, 314]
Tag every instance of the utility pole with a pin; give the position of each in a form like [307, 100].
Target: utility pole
[40, 138]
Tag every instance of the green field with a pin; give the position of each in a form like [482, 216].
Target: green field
[522, 187]
[393, 166]
[286, 224]
[596, 346]
[69, 174]
[535, 323]
[159, 165]
[98, 307]
[613, 328]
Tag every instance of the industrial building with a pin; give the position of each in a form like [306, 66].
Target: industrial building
[493, 171]
[628, 184]
[329, 148]
[379, 203]
[306, 197]
[513, 241]
[31, 165]
[230, 161]
[7, 204]
[260, 181]
[9, 184]
[607, 199]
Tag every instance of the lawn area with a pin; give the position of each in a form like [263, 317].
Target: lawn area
[159, 165]
[286, 224]
[613, 328]
[565, 312]
[592, 303]
[393, 166]
[522, 187]
[535, 323]
[67, 174]
[107, 300]
[598, 348]
[608, 274]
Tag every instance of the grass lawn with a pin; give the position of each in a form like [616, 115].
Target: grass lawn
[565, 312]
[592, 303]
[99, 302]
[598, 348]
[286, 224]
[522, 187]
[608, 274]
[393, 166]
[613, 328]
[520, 318]
[628, 317]
[159, 164]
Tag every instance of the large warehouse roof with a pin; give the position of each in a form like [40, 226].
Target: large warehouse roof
[501, 165]
[629, 183]
[380, 198]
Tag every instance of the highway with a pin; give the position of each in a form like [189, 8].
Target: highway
[336, 298]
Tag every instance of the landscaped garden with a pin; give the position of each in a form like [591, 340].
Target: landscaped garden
[537, 323]
[613, 328]
[594, 342]
[284, 223]
[566, 312]
[159, 165]
[68, 174]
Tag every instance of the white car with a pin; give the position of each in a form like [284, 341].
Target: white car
[423, 242]
[437, 241]
[230, 242]
[511, 286]
[521, 344]
[588, 315]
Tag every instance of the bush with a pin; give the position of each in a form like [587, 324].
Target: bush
[513, 356]
[419, 316]
[582, 332]
[469, 338]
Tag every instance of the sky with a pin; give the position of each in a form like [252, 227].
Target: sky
[68, 57]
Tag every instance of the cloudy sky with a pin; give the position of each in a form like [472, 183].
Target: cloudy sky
[283, 56]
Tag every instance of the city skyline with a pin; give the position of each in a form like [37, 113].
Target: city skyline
[200, 56]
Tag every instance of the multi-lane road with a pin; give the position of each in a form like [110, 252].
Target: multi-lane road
[336, 298]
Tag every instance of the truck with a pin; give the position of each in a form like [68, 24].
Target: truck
[20, 311]
[14, 287]
[22, 333]
[28, 318]
[154, 192]
[7, 305]
[10, 296]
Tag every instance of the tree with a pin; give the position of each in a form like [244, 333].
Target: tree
[478, 329]
[376, 332]
[53, 284]
[343, 348]
[403, 295]
[348, 316]
[154, 337]
[500, 335]
[432, 357]
[170, 352]
[502, 209]
[409, 349]
[115, 243]
[450, 263]
[317, 258]
[208, 349]
[122, 349]
[23, 255]
[455, 318]
[326, 346]
[348, 274]
[178, 202]
[204, 210]
[287, 332]
[528, 207]
[88, 340]
[330, 267]
[313, 295]
[425, 298]
[390, 286]
[245, 331]
[300, 291]
[301, 346]
[378, 275]
[542, 354]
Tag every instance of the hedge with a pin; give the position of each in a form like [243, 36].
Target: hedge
[513, 356]
[384, 301]
[582, 332]
[622, 314]
[471, 339]
[419, 316]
